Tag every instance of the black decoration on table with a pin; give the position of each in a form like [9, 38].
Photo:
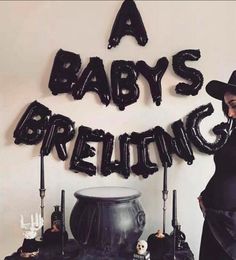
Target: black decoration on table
[128, 22]
[158, 247]
[29, 249]
[179, 249]
[57, 234]
[51, 252]
[56, 218]
[173, 246]
[52, 237]
[159, 243]
[107, 222]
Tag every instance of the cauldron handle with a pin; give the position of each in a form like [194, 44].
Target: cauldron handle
[141, 219]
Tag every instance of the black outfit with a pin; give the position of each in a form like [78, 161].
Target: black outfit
[219, 198]
[30, 246]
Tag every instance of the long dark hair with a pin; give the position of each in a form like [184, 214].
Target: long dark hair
[224, 106]
[225, 109]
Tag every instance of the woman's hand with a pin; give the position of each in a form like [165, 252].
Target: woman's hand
[202, 207]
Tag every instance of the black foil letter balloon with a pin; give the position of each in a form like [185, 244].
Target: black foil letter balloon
[154, 76]
[125, 91]
[164, 144]
[192, 126]
[93, 78]
[144, 166]
[60, 130]
[83, 150]
[167, 145]
[124, 155]
[181, 142]
[30, 128]
[193, 75]
[122, 166]
[107, 167]
[63, 76]
[128, 22]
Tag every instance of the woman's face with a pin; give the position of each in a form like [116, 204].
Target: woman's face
[230, 101]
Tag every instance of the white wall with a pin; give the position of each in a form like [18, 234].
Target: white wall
[32, 32]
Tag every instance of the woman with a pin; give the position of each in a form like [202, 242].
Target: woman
[218, 200]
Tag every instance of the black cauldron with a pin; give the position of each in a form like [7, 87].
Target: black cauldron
[107, 222]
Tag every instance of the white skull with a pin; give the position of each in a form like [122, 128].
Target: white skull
[141, 247]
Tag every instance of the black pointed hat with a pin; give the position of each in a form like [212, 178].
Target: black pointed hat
[217, 89]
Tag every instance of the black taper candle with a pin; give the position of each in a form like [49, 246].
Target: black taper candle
[42, 184]
[174, 210]
[165, 178]
[174, 221]
[164, 197]
[42, 190]
[62, 222]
